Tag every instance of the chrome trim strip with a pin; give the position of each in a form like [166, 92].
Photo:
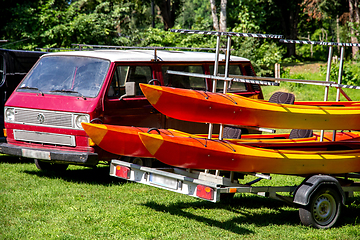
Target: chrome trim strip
[47, 138]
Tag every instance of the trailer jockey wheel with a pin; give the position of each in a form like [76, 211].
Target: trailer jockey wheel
[147, 162]
[323, 210]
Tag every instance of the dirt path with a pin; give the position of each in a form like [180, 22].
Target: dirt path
[305, 67]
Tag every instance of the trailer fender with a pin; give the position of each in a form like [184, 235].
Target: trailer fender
[303, 193]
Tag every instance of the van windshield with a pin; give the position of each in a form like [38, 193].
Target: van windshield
[67, 75]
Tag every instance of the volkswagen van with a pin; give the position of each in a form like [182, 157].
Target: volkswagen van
[43, 115]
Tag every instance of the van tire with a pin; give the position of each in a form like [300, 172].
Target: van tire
[48, 166]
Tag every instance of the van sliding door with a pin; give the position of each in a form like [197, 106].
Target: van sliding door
[134, 110]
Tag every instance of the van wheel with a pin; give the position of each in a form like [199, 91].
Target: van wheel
[47, 166]
[323, 210]
[147, 162]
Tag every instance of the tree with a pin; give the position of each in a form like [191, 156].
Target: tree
[169, 10]
[219, 25]
[289, 15]
[355, 20]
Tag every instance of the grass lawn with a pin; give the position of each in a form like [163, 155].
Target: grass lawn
[84, 203]
[305, 92]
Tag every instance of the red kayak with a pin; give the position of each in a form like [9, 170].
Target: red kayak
[231, 109]
[302, 159]
[124, 140]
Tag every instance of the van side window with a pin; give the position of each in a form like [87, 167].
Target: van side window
[234, 86]
[178, 81]
[122, 74]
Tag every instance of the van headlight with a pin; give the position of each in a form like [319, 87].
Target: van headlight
[9, 114]
[79, 118]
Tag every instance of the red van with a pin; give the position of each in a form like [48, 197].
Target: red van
[43, 115]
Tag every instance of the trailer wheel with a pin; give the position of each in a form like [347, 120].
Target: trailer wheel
[47, 166]
[323, 210]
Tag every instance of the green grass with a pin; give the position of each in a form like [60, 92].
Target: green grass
[306, 92]
[83, 203]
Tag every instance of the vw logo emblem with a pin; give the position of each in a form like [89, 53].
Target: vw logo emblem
[41, 118]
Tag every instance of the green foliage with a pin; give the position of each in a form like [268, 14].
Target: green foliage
[195, 14]
[247, 15]
[60, 23]
[350, 74]
[263, 54]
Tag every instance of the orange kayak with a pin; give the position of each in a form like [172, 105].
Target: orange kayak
[124, 140]
[199, 153]
[121, 140]
[207, 107]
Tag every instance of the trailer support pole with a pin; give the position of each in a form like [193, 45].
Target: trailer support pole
[326, 96]
[226, 82]
[216, 69]
[228, 47]
[339, 81]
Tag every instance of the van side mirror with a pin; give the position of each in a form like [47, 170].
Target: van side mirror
[130, 89]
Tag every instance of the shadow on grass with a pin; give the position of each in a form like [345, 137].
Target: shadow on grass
[350, 214]
[13, 159]
[251, 209]
[247, 208]
[98, 175]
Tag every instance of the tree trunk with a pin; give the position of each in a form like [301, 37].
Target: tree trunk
[169, 11]
[223, 16]
[354, 18]
[289, 13]
[214, 16]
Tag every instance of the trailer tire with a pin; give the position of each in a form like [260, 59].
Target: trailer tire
[48, 166]
[323, 210]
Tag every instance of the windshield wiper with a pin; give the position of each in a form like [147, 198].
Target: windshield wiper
[69, 91]
[32, 88]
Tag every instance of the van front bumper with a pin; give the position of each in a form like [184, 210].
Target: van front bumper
[54, 156]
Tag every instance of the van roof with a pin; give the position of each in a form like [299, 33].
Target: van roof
[148, 55]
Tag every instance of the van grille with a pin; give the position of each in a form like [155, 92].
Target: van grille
[43, 118]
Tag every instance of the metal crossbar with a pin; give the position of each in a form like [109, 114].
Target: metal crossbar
[255, 35]
[58, 49]
[149, 47]
[234, 79]
[320, 43]
[313, 82]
